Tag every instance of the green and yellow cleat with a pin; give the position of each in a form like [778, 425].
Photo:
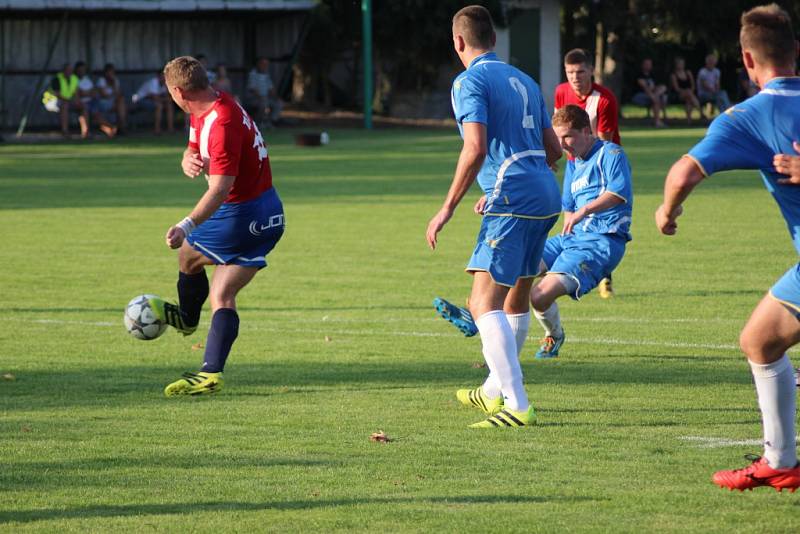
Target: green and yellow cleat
[200, 383]
[171, 314]
[508, 418]
[477, 398]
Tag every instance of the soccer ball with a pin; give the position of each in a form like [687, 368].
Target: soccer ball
[140, 319]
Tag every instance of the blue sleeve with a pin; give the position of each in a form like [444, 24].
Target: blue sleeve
[729, 144]
[617, 173]
[470, 101]
[567, 200]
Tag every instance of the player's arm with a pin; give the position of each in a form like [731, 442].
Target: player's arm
[605, 201]
[788, 165]
[607, 119]
[192, 163]
[683, 177]
[552, 147]
[218, 188]
[469, 163]
[606, 136]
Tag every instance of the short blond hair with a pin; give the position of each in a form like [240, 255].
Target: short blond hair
[186, 73]
[572, 116]
[767, 32]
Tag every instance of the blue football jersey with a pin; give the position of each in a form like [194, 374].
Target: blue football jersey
[604, 169]
[514, 175]
[749, 134]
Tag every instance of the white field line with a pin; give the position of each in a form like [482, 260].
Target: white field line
[350, 332]
[704, 442]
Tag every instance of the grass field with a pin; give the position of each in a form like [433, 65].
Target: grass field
[338, 340]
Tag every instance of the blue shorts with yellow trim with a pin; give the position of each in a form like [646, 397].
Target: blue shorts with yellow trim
[585, 257]
[787, 290]
[510, 248]
[241, 233]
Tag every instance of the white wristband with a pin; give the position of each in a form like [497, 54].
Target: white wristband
[187, 225]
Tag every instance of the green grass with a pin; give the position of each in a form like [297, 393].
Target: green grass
[338, 340]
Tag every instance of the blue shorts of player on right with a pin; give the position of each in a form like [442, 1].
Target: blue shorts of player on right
[242, 233]
[787, 290]
[587, 258]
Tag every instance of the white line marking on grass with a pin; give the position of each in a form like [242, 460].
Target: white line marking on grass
[704, 442]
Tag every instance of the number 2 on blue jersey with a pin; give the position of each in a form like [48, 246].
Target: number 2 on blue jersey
[518, 86]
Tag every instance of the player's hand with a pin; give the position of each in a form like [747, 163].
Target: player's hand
[667, 222]
[480, 205]
[175, 237]
[788, 165]
[571, 219]
[192, 164]
[436, 224]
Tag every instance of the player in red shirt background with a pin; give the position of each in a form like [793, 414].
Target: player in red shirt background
[601, 105]
[234, 225]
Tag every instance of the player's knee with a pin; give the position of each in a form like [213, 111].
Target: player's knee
[759, 348]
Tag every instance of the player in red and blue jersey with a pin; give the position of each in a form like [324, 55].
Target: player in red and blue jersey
[749, 136]
[234, 225]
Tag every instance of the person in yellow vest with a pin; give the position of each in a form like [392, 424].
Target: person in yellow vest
[62, 97]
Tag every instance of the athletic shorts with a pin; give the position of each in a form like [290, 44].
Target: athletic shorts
[787, 290]
[585, 257]
[241, 233]
[510, 248]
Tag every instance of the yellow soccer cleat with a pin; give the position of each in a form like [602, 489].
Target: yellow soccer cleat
[195, 384]
[171, 314]
[605, 288]
[508, 418]
[477, 398]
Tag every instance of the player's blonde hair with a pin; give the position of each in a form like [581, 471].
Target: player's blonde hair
[187, 73]
[767, 33]
[571, 116]
[474, 24]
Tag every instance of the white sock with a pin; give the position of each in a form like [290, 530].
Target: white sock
[550, 320]
[520, 324]
[500, 352]
[491, 387]
[777, 394]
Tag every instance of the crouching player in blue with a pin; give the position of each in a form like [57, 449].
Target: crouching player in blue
[597, 200]
[749, 136]
[234, 225]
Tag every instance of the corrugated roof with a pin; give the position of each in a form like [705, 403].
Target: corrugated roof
[156, 5]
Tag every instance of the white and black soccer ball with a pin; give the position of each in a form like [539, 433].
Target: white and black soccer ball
[141, 321]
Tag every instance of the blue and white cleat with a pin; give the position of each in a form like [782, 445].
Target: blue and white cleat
[550, 347]
[457, 316]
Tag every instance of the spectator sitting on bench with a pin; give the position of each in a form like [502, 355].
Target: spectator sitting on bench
[110, 98]
[62, 97]
[648, 94]
[708, 87]
[153, 96]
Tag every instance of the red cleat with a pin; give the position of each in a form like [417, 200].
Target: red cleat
[759, 473]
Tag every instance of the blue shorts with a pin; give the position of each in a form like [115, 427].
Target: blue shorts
[510, 248]
[241, 233]
[787, 290]
[585, 257]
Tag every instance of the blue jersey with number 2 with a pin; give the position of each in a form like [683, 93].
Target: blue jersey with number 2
[514, 175]
[749, 134]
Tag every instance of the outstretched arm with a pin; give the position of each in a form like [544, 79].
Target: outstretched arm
[684, 175]
[469, 163]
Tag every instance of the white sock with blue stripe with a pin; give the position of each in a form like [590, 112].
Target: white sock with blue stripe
[500, 352]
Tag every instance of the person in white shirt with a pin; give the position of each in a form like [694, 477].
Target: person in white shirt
[110, 97]
[261, 95]
[153, 96]
[708, 86]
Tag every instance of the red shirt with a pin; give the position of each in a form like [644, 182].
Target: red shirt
[231, 145]
[600, 104]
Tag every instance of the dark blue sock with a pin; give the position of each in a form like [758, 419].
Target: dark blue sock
[221, 335]
[192, 293]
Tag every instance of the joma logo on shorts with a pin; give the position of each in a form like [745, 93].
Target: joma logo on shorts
[256, 227]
